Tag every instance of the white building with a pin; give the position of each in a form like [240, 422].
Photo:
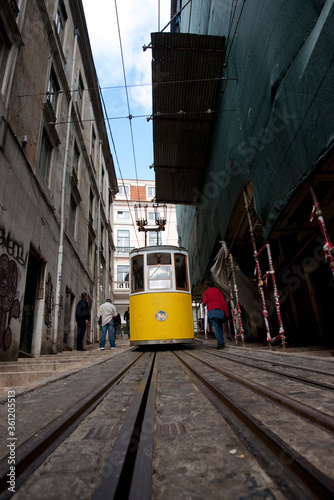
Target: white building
[135, 197]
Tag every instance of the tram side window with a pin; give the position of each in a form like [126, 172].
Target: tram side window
[137, 271]
[181, 272]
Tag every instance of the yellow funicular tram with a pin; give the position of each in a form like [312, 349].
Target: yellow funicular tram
[160, 297]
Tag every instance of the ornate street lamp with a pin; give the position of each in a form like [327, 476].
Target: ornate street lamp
[141, 216]
[160, 214]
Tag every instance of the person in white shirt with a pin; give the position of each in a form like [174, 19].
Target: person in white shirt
[107, 312]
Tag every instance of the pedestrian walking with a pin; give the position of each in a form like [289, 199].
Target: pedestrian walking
[127, 320]
[217, 311]
[117, 323]
[107, 313]
[82, 316]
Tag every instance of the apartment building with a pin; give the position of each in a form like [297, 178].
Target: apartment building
[57, 178]
[136, 200]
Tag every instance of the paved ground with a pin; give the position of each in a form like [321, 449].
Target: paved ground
[28, 373]
[67, 380]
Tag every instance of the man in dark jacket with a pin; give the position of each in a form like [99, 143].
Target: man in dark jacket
[82, 316]
[127, 320]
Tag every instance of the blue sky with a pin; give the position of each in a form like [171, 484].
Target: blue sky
[137, 19]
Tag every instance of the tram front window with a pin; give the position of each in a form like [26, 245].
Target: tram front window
[159, 277]
[158, 258]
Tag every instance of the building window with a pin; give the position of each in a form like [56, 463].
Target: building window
[81, 89]
[72, 216]
[123, 238]
[44, 162]
[150, 192]
[93, 141]
[103, 184]
[53, 90]
[121, 214]
[60, 20]
[154, 238]
[91, 207]
[102, 238]
[91, 254]
[75, 160]
[124, 190]
[4, 51]
[122, 276]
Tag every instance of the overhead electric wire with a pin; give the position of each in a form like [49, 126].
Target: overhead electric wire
[236, 27]
[126, 91]
[163, 29]
[118, 87]
[118, 164]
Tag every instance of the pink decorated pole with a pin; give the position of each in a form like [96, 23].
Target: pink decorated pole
[328, 247]
[276, 296]
[258, 270]
[236, 293]
[233, 313]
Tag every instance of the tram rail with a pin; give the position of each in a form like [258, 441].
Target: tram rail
[310, 477]
[31, 453]
[248, 407]
[302, 409]
[236, 358]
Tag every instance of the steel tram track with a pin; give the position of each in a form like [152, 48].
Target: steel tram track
[127, 472]
[34, 451]
[236, 359]
[315, 416]
[295, 465]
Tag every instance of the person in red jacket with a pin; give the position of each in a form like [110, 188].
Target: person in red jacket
[217, 311]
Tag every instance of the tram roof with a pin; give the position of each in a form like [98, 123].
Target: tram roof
[159, 248]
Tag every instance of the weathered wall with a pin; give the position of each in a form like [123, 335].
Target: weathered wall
[30, 202]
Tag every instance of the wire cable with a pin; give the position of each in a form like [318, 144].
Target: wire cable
[126, 90]
[118, 164]
[119, 87]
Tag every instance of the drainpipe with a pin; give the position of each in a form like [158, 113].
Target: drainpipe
[99, 230]
[62, 208]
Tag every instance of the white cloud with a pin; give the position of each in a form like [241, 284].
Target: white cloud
[137, 19]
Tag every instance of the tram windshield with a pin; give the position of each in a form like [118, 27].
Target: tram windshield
[158, 258]
[159, 270]
[159, 277]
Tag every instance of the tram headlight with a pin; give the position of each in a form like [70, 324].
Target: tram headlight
[161, 315]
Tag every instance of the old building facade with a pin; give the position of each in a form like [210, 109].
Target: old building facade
[56, 178]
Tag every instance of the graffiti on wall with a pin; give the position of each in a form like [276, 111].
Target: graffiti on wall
[9, 305]
[13, 248]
